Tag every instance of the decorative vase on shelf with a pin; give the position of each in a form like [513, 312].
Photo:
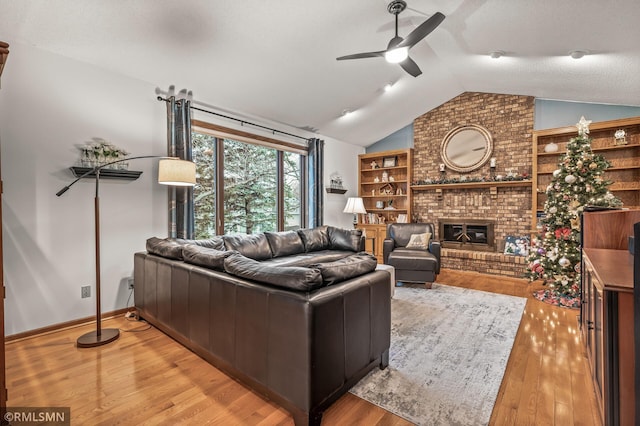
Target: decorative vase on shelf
[551, 147]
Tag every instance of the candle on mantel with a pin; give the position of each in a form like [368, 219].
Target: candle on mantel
[492, 162]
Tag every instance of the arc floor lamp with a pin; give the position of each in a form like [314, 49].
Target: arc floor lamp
[171, 171]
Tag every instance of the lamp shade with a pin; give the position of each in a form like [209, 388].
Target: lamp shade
[176, 172]
[354, 205]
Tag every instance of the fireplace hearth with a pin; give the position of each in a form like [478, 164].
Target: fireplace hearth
[467, 234]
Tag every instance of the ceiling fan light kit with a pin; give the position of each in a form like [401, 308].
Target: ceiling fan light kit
[395, 56]
[397, 50]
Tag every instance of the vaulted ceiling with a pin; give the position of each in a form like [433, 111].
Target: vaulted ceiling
[277, 59]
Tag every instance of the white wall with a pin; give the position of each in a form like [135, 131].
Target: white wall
[49, 104]
[341, 158]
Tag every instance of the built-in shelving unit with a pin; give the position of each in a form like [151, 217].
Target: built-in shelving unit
[384, 184]
[624, 171]
[106, 173]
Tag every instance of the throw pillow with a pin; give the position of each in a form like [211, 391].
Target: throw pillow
[419, 241]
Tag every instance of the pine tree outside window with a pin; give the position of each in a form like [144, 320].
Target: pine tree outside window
[245, 187]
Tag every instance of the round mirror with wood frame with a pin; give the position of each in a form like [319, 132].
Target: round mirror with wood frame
[466, 148]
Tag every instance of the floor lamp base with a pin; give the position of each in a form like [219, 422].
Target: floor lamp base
[91, 340]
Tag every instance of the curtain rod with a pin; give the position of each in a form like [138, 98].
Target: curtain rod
[242, 122]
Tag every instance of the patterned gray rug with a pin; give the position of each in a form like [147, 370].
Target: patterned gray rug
[449, 350]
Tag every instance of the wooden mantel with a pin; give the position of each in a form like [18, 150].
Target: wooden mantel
[471, 185]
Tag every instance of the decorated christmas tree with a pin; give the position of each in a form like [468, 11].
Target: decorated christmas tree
[555, 253]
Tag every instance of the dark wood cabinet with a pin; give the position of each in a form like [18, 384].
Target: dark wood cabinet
[607, 313]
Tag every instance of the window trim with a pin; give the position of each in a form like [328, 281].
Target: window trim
[239, 135]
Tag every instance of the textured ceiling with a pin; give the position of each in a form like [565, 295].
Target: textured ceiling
[276, 60]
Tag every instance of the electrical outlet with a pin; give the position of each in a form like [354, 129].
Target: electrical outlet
[130, 282]
[85, 291]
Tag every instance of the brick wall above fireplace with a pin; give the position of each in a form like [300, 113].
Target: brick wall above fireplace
[509, 119]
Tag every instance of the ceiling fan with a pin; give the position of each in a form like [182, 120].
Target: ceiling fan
[397, 51]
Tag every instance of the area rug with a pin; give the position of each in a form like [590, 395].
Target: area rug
[449, 350]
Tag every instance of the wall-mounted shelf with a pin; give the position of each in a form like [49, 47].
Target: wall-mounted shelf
[593, 148]
[106, 173]
[471, 185]
[335, 191]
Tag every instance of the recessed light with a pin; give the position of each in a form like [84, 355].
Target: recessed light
[495, 54]
[388, 87]
[346, 112]
[577, 54]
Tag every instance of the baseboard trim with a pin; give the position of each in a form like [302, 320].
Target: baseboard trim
[63, 325]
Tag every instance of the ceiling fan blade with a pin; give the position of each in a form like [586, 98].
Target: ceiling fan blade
[411, 67]
[361, 55]
[423, 30]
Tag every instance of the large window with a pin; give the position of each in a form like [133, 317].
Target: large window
[250, 188]
[245, 187]
[293, 193]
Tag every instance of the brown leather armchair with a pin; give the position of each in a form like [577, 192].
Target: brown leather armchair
[412, 264]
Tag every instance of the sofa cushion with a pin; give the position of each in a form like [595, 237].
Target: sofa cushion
[348, 267]
[314, 239]
[165, 248]
[284, 243]
[344, 239]
[414, 260]
[214, 243]
[254, 246]
[291, 277]
[204, 256]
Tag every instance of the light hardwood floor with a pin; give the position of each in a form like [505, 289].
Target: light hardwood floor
[147, 378]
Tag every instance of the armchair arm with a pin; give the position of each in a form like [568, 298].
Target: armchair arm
[434, 248]
[387, 247]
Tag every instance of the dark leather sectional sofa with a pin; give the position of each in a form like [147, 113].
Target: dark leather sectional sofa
[298, 316]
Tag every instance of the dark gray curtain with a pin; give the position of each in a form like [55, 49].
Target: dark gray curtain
[179, 145]
[315, 164]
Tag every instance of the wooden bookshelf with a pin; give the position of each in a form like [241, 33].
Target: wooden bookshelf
[624, 171]
[384, 183]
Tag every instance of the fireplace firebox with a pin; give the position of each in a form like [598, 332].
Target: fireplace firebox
[467, 234]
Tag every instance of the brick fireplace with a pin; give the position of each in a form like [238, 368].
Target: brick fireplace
[467, 234]
[509, 119]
